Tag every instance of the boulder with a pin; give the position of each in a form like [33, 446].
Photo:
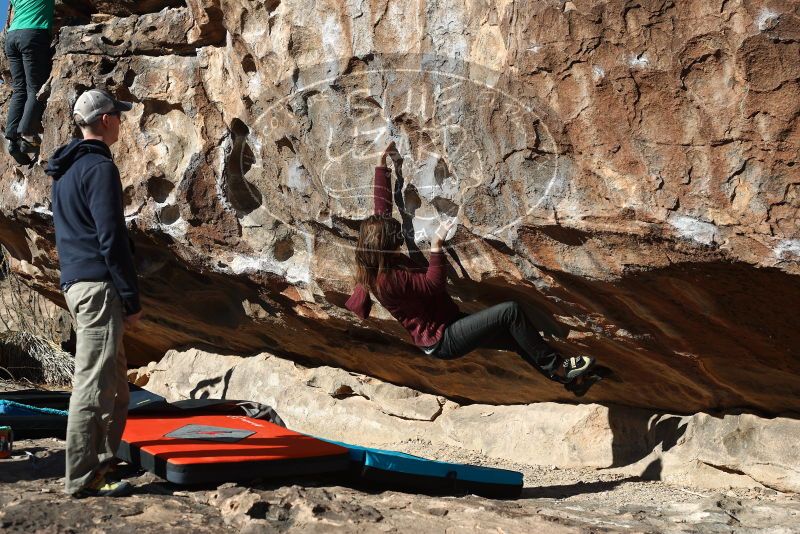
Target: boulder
[627, 172]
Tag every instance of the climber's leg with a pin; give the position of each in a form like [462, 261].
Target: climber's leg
[19, 95]
[497, 327]
[506, 327]
[37, 62]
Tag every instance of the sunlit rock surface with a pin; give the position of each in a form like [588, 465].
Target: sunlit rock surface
[627, 171]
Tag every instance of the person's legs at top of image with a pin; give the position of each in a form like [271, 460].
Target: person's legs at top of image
[18, 86]
[30, 60]
[34, 46]
[16, 105]
[505, 327]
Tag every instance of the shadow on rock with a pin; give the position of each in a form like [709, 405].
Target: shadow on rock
[570, 490]
[636, 433]
[201, 391]
[40, 464]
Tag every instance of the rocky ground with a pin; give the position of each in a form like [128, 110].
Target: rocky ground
[554, 500]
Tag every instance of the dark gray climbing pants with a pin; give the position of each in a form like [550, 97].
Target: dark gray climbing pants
[501, 327]
[30, 61]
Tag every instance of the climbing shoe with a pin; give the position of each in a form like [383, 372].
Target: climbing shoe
[105, 489]
[572, 368]
[30, 144]
[17, 153]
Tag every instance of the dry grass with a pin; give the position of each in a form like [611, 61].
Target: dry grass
[29, 324]
[25, 355]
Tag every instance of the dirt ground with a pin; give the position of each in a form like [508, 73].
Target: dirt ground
[554, 500]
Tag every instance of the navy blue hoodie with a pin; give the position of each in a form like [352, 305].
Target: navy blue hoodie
[91, 236]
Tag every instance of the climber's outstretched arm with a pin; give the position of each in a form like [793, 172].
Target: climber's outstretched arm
[382, 188]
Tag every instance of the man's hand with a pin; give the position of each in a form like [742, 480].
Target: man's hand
[391, 149]
[131, 321]
[441, 233]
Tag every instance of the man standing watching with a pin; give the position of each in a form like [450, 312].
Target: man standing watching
[98, 277]
[30, 61]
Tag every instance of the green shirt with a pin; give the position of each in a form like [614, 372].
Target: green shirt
[32, 14]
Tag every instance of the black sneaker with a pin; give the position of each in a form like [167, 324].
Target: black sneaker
[572, 368]
[31, 145]
[122, 488]
[17, 153]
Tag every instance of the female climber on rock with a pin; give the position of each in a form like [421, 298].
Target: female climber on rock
[419, 300]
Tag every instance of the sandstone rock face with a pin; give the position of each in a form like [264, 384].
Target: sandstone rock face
[699, 450]
[627, 171]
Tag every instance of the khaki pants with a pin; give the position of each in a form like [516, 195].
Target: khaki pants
[98, 407]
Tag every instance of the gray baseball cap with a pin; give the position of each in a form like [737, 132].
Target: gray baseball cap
[95, 103]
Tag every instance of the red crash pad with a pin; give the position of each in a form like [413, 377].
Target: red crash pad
[224, 448]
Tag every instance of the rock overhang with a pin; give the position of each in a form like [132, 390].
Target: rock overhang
[643, 210]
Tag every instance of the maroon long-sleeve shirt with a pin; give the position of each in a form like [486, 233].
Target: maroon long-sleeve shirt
[417, 298]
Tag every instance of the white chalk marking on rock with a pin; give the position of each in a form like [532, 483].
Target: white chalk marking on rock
[639, 62]
[788, 249]
[598, 72]
[767, 19]
[176, 229]
[331, 39]
[19, 189]
[42, 210]
[425, 178]
[297, 177]
[254, 83]
[293, 271]
[222, 150]
[247, 264]
[694, 229]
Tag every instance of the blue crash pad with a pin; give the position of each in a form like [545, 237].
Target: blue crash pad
[380, 465]
[11, 408]
[28, 422]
